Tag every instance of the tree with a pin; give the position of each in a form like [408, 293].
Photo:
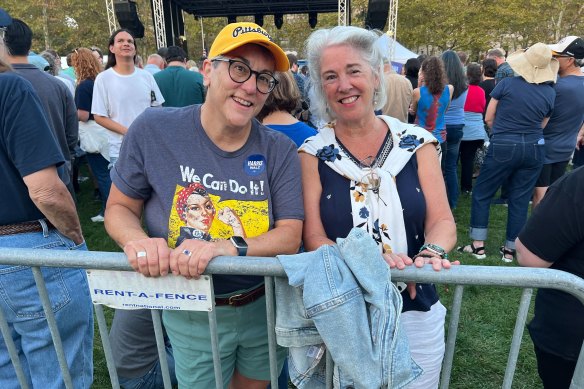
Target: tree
[479, 25]
[428, 26]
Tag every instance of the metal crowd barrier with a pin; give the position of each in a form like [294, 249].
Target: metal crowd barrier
[526, 278]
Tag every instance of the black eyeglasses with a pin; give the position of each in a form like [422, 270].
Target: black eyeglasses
[240, 72]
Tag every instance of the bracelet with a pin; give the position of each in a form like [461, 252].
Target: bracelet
[435, 249]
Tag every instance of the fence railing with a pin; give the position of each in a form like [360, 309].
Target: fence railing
[526, 278]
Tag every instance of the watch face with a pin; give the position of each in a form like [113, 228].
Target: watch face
[238, 241]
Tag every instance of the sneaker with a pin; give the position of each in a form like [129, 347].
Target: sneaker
[97, 219]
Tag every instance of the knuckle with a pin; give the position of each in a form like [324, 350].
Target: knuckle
[152, 261]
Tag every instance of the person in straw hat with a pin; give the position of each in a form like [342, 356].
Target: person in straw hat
[519, 109]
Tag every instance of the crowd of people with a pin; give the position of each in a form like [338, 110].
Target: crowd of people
[249, 154]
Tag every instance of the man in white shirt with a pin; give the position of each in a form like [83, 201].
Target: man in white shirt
[122, 91]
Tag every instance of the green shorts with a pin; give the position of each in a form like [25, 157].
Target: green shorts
[243, 344]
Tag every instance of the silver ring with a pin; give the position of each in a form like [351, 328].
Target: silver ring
[141, 254]
[188, 253]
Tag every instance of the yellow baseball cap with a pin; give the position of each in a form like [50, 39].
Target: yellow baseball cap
[235, 35]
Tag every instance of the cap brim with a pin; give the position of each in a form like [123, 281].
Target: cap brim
[556, 48]
[572, 46]
[282, 64]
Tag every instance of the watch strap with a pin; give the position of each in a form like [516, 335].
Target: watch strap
[241, 249]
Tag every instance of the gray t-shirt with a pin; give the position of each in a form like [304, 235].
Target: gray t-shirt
[193, 189]
[59, 107]
[189, 185]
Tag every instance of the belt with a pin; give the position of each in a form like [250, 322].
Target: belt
[21, 228]
[237, 300]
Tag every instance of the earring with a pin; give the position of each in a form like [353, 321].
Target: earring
[375, 97]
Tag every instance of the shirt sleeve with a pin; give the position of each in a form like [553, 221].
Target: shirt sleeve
[99, 104]
[499, 89]
[286, 183]
[159, 98]
[555, 226]
[72, 123]
[29, 140]
[84, 95]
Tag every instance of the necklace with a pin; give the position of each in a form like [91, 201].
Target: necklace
[370, 161]
[368, 165]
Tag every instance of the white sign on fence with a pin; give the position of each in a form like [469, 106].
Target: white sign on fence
[131, 290]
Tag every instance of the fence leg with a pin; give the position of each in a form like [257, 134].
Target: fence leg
[161, 345]
[107, 348]
[215, 341]
[517, 337]
[451, 337]
[5, 329]
[271, 314]
[44, 295]
[578, 378]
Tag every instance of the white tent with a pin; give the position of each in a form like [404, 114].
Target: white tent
[400, 53]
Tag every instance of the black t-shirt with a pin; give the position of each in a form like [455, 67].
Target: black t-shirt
[84, 96]
[488, 86]
[555, 233]
[27, 145]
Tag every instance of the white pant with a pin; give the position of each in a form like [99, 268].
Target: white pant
[425, 332]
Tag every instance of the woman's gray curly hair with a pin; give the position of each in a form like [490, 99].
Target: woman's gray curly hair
[359, 39]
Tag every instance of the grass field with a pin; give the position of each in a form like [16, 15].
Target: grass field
[486, 323]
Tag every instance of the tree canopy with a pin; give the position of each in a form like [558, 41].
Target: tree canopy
[423, 26]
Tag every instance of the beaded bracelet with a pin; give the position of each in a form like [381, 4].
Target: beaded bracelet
[434, 249]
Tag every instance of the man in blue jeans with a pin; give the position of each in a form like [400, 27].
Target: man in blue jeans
[38, 212]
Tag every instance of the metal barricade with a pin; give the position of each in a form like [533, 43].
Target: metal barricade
[460, 276]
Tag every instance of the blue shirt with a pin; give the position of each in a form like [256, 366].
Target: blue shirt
[84, 96]
[298, 132]
[455, 113]
[503, 71]
[430, 112]
[522, 106]
[27, 145]
[560, 132]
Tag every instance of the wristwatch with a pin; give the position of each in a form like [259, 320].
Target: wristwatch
[240, 244]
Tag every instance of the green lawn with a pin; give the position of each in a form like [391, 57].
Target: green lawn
[97, 240]
[486, 323]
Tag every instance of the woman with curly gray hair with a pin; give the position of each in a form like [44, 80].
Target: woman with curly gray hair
[378, 174]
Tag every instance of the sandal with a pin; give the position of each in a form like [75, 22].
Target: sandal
[477, 252]
[505, 252]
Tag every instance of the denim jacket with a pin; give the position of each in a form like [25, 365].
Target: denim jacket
[341, 296]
